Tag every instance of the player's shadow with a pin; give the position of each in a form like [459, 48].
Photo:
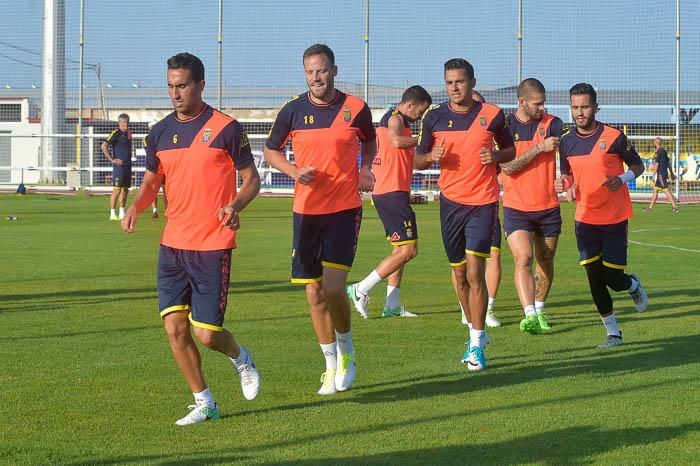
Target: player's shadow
[260, 286]
[74, 293]
[59, 300]
[102, 332]
[573, 445]
[650, 355]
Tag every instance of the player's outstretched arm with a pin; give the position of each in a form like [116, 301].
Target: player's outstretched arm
[228, 215]
[303, 175]
[145, 197]
[395, 134]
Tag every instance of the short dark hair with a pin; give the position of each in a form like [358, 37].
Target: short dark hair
[123, 116]
[187, 61]
[319, 49]
[530, 85]
[417, 95]
[460, 64]
[584, 89]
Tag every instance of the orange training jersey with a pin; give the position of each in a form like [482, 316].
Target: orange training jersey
[589, 159]
[199, 158]
[392, 167]
[463, 178]
[325, 137]
[532, 188]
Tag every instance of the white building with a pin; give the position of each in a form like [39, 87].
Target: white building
[18, 154]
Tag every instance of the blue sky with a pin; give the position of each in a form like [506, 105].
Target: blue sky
[613, 44]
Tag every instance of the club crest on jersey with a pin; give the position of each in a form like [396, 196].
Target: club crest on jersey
[482, 120]
[394, 237]
[206, 136]
[541, 130]
[377, 161]
[603, 145]
[347, 116]
[174, 138]
[409, 233]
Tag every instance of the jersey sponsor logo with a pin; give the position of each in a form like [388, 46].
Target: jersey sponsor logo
[377, 161]
[482, 120]
[541, 130]
[603, 145]
[206, 136]
[347, 116]
[174, 138]
[394, 237]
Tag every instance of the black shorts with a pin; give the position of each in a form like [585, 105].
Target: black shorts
[606, 242]
[325, 240]
[195, 282]
[466, 229]
[121, 176]
[661, 183]
[545, 223]
[397, 216]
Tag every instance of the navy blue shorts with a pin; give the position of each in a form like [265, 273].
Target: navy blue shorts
[496, 236]
[545, 223]
[466, 229]
[661, 183]
[325, 240]
[397, 216]
[606, 242]
[195, 282]
[121, 176]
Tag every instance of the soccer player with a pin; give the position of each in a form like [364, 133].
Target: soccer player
[393, 168]
[661, 167]
[117, 149]
[325, 126]
[531, 215]
[593, 155]
[493, 263]
[459, 134]
[200, 151]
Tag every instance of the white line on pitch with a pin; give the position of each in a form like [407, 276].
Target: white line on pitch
[664, 246]
[660, 229]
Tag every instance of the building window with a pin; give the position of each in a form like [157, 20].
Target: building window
[11, 113]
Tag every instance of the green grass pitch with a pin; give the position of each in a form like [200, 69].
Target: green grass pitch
[87, 378]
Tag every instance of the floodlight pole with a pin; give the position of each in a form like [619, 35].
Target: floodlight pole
[678, 98]
[79, 129]
[520, 41]
[220, 39]
[98, 70]
[366, 37]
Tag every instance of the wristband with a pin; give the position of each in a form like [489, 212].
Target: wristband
[628, 176]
